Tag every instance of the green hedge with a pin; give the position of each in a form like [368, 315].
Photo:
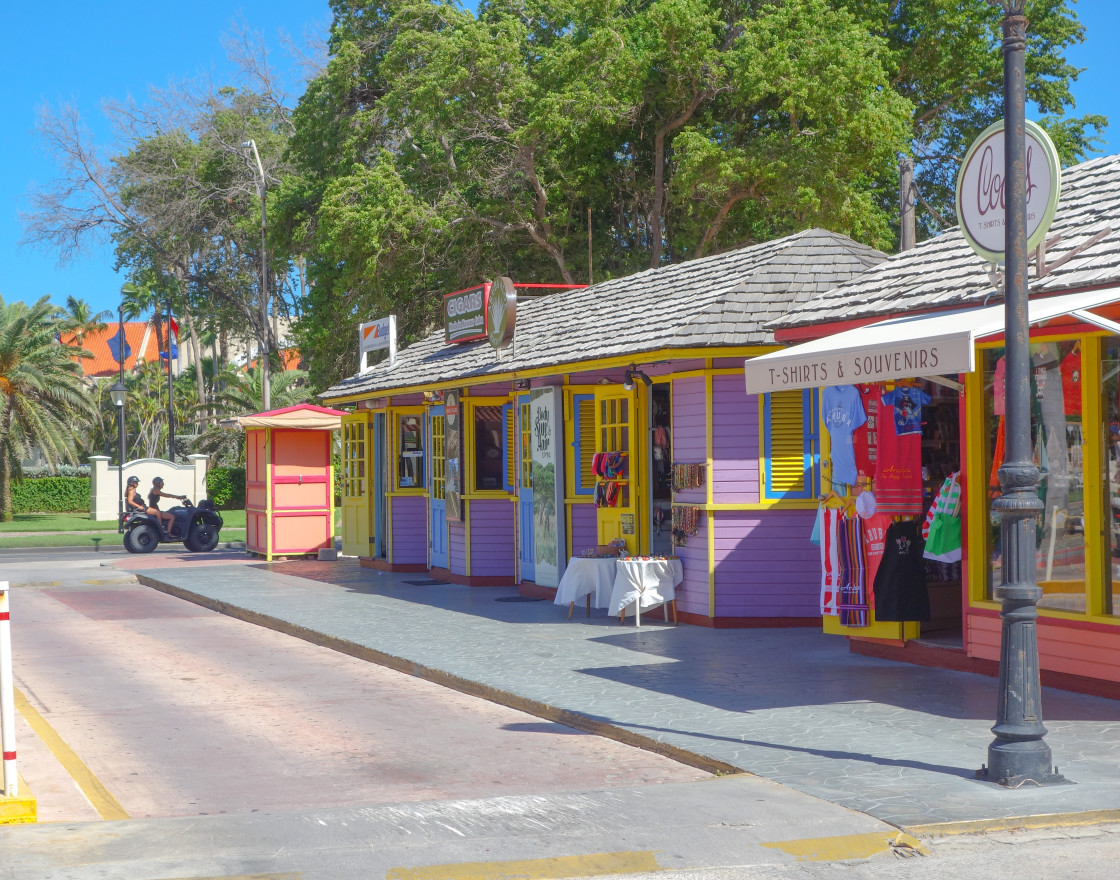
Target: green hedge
[225, 486]
[53, 494]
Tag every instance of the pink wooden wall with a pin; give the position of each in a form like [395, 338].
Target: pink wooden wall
[493, 540]
[1072, 647]
[410, 529]
[734, 442]
[765, 564]
[457, 546]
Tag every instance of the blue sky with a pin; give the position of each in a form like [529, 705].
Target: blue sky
[84, 53]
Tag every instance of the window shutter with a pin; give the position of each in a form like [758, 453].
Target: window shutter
[509, 426]
[789, 445]
[584, 443]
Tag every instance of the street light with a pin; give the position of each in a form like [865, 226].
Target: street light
[1019, 752]
[117, 393]
[265, 389]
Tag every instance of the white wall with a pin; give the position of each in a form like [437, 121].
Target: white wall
[178, 479]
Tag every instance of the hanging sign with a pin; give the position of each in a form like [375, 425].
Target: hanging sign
[980, 190]
[377, 336]
[464, 315]
[453, 455]
[501, 312]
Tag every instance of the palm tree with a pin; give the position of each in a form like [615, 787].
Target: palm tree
[80, 319]
[40, 391]
[239, 391]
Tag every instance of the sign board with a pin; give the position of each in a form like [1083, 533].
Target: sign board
[980, 190]
[549, 537]
[377, 336]
[464, 315]
[946, 354]
[453, 455]
[501, 312]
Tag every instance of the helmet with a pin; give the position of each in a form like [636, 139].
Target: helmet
[157, 479]
[133, 481]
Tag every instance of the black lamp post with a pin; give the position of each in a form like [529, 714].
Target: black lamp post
[117, 393]
[1019, 752]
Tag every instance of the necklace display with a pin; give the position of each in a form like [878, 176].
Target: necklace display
[689, 476]
[686, 523]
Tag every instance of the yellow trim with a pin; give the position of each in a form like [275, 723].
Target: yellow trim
[1097, 552]
[976, 486]
[710, 523]
[709, 488]
[848, 846]
[876, 629]
[806, 504]
[269, 502]
[100, 798]
[393, 441]
[466, 507]
[596, 864]
[591, 366]
[468, 449]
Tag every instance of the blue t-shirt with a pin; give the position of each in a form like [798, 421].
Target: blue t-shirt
[907, 403]
[843, 413]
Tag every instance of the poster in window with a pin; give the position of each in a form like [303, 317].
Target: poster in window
[453, 455]
[549, 539]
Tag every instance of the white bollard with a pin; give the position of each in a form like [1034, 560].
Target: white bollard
[7, 698]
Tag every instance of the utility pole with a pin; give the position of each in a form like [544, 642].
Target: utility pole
[170, 392]
[907, 232]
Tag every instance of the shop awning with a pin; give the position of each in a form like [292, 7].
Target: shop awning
[940, 344]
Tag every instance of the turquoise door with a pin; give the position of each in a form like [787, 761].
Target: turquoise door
[437, 503]
[525, 489]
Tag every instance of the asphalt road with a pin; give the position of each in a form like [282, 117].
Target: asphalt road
[164, 741]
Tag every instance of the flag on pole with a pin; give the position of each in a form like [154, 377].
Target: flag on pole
[174, 326]
[118, 345]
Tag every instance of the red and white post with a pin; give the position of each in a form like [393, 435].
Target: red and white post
[7, 698]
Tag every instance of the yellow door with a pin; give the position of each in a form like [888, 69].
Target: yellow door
[355, 485]
[615, 430]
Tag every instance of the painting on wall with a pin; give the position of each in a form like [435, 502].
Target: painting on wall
[546, 418]
[453, 455]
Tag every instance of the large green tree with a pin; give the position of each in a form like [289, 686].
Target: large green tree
[42, 401]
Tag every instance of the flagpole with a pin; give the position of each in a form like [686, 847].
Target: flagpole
[170, 392]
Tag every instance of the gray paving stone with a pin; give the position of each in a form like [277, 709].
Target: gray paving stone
[895, 741]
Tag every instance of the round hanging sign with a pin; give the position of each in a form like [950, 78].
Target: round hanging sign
[501, 312]
[980, 190]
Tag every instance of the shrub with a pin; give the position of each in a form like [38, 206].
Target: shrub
[226, 487]
[38, 471]
[54, 494]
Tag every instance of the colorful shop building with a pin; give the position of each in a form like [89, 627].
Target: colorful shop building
[926, 326]
[614, 412]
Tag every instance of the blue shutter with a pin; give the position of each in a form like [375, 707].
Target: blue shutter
[509, 478]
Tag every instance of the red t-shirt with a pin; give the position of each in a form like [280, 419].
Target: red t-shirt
[865, 437]
[1071, 382]
[874, 540]
[898, 468]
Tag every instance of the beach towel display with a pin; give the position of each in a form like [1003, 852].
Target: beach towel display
[901, 593]
[830, 558]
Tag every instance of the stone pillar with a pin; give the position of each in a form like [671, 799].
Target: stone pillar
[102, 488]
[199, 463]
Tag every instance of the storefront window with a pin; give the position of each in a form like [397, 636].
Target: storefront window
[410, 459]
[1056, 445]
[489, 458]
[1110, 411]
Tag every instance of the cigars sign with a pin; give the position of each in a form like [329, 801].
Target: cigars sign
[981, 200]
[947, 354]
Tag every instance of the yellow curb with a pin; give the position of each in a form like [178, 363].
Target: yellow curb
[594, 865]
[102, 800]
[19, 810]
[1014, 823]
[847, 846]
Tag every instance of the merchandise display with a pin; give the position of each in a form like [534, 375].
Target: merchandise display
[842, 413]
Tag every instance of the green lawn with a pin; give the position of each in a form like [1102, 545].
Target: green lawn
[80, 522]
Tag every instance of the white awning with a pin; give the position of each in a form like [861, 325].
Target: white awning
[936, 344]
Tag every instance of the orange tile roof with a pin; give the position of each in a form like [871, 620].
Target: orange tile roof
[97, 343]
[292, 359]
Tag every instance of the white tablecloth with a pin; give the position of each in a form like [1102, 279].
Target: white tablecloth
[645, 582]
[584, 576]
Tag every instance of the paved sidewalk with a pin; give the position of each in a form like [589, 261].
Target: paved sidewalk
[895, 741]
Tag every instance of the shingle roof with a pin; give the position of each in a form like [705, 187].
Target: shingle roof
[726, 299]
[945, 271]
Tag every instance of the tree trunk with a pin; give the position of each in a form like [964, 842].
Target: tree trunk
[657, 206]
[6, 470]
[196, 354]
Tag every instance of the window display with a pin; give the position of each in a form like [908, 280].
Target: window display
[410, 452]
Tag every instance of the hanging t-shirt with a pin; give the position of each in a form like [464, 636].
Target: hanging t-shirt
[900, 582]
[874, 540]
[999, 387]
[1071, 382]
[898, 468]
[907, 403]
[865, 439]
[843, 414]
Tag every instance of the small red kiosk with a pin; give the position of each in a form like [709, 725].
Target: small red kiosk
[289, 479]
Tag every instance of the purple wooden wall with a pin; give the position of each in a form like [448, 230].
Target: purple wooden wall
[766, 565]
[457, 547]
[493, 541]
[689, 435]
[585, 528]
[735, 446]
[692, 594]
[410, 530]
